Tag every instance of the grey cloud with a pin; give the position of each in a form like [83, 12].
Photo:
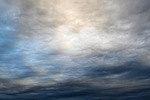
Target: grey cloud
[93, 43]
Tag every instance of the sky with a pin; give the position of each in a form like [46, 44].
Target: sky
[74, 49]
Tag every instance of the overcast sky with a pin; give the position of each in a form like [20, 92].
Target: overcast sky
[74, 49]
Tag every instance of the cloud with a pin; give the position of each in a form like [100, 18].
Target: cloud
[93, 42]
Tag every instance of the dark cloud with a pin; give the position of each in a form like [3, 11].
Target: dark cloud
[74, 50]
[75, 90]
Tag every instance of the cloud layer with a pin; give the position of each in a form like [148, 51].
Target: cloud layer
[93, 43]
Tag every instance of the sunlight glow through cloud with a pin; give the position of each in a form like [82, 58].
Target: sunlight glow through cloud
[52, 43]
